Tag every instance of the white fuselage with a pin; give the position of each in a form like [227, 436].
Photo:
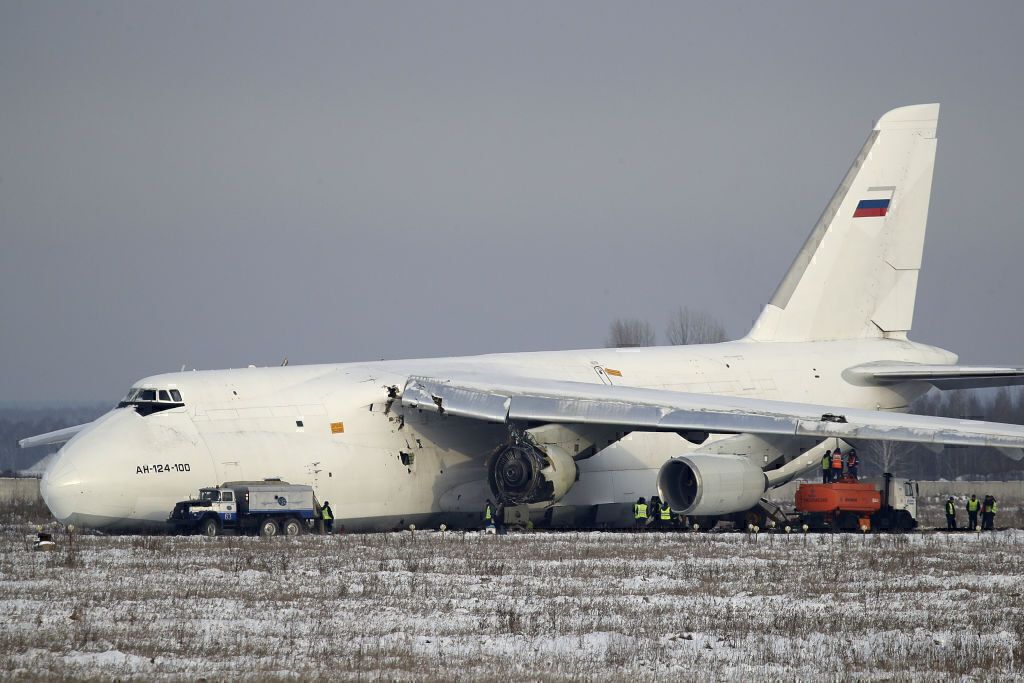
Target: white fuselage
[382, 465]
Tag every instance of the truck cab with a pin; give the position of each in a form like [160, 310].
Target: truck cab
[902, 494]
[222, 503]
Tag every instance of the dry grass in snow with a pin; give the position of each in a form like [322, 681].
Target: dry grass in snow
[544, 606]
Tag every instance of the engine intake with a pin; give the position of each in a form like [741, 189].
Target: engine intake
[522, 473]
[711, 484]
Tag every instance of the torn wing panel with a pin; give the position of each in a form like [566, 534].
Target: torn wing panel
[463, 401]
[502, 398]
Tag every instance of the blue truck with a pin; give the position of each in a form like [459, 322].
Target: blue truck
[270, 508]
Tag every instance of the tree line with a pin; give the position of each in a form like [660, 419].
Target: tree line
[685, 326]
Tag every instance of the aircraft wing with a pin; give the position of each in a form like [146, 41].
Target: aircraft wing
[58, 436]
[941, 376]
[504, 399]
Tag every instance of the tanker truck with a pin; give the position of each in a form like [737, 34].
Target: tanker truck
[851, 505]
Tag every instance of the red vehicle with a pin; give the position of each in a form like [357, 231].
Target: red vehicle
[850, 505]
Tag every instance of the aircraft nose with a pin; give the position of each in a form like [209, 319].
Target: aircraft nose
[125, 471]
[78, 486]
[62, 489]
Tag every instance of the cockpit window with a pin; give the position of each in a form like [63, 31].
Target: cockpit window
[149, 401]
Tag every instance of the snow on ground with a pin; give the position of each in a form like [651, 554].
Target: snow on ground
[541, 606]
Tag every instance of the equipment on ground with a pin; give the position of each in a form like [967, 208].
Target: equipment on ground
[851, 505]
[269, 507]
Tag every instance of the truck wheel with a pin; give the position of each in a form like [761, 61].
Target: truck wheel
[209, 527]
[292, 527]
[904, 521]
[847, 521]
[268, 528]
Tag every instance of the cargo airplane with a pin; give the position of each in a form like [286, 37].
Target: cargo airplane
[576, 435]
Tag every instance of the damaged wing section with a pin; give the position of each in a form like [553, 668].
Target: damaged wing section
[459, 400]
[939, 376]
[504, 399]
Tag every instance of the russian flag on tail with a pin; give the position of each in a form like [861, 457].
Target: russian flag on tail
[875, 204]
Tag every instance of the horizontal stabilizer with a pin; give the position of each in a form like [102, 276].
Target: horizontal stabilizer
[940, 376]
[49, 438]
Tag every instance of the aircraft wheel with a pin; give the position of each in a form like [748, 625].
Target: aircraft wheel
[209, 527]
[706, 523]
[268, 528]
[292, 527]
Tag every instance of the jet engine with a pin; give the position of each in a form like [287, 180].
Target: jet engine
[709, 485]
[522, 473]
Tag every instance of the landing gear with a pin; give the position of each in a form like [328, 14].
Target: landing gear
[705, 523]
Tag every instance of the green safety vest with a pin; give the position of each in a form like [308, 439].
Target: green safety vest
[972, 505]
[666, 513]
[487, 513]
[640, 510]
[950, 508]
[826, 461]
[325, 514]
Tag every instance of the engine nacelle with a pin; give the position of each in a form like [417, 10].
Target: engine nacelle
[709, 485]
[522, 473]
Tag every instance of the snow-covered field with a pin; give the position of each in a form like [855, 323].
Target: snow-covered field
[543, 606]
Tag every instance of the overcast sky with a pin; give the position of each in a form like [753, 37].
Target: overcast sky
[218, 184]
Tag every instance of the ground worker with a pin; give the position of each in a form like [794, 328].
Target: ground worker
[640, 512]
[489, 515]
[988, 514]
[826, 466]
[837, 465]
[327, 515]
[972, 512]
[654, 510]
[950, 514]
[851, 464]
[665, 515]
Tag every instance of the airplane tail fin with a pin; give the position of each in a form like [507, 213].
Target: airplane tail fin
[856, 275]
